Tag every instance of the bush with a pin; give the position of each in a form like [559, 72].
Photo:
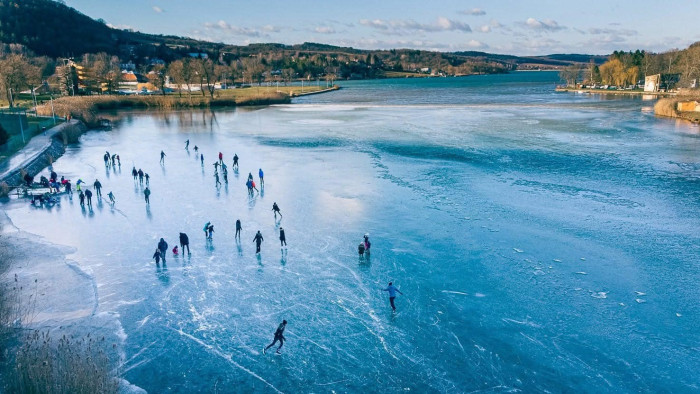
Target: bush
[666, 107]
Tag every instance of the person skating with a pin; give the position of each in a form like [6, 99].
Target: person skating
[140, 175]
[276, 210]
[162, 157]
[216, 176]
[202, 158]
[175, 251]
[250, 176]
[206, 229]
[157, 256]
[148, 178]
[210, 230]
[252, 185]
[163, 247]
[185, 243]
[187, 144]
[392, 294]
[283, 239]
[147, 194]
[258, 240]
[279, 336]
[81, 196]
[238, 229]
[367, 243]
[98, 188]
[361, 249]
[235, 161]
[196, 149]
[111, 197]
[114, 159]
[88, 195]
[78, 184]
[262, 180]
[134, 173]
[106, 158]
[119, 161]
[216, 166]
[68, 188]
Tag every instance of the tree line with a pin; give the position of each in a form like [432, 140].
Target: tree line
[628, 68]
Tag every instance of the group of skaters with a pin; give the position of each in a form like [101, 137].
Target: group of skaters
[161, 251]
[112, 160]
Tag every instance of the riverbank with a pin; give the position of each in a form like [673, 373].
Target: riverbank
[669, 107]
[38, 154]
[617, 92]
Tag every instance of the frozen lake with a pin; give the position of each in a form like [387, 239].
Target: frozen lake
[543, 241]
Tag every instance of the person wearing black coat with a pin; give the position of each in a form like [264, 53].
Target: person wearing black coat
[184, 242]
[163, 247]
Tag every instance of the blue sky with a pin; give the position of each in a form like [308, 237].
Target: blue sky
[518, 27]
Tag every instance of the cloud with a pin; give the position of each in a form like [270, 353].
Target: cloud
[324, 30]
[157, 9]
[624, 32]
[543, 25]
[485, 29]
[223, 26]
[476, 44]
[121, 27]
[401, 26]
[473, 11]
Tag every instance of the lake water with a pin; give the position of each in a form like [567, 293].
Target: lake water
[543, 242]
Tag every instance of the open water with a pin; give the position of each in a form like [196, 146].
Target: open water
[543, 242]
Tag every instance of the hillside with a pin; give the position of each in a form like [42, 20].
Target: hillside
[50, 28]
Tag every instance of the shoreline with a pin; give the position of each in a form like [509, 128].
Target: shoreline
[618, 92]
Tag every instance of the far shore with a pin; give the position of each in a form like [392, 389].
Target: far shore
[88, 108]
[615, 91]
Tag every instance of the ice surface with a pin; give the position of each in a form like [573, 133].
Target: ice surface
[565, 177]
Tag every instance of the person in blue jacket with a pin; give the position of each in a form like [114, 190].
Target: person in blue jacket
[392, 294]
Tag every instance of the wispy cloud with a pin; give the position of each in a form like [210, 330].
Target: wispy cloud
[543, 25]
[324, 30]
[223, 26]
[473, 11]
[474, 44]
[400, 26]
[157, 9]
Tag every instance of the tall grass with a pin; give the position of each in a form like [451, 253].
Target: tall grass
[66, 365]
[87, 108]
[666, 107]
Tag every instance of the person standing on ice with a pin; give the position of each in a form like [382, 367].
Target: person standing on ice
[206, 229]
[111, 197]
[147, 194]
[156, 256]
[187, 144]
[218, 182]
[98, 187]
[392, 294]
[258, 240]
[140, 175]
[162, 157]
[82, 199]
[148, 177]
[238, 229]
[221, 157]
[202, 159]
[185, 243]
[283, 239]
[367, 243]
[235, 161]
[262, 180]
[88, 195]
[163, 247]
[276, 210]
[134, 172]
[196, 149]
[279, 336]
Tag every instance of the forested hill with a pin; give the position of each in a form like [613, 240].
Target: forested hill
[50, 28]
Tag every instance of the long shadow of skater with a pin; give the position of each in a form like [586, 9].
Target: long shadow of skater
[239, 247]
[162, 274]
[259, 262]
[148, 212]
[283, 259]
[209, 245]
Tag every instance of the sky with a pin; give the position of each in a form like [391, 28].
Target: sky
[515, 27]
